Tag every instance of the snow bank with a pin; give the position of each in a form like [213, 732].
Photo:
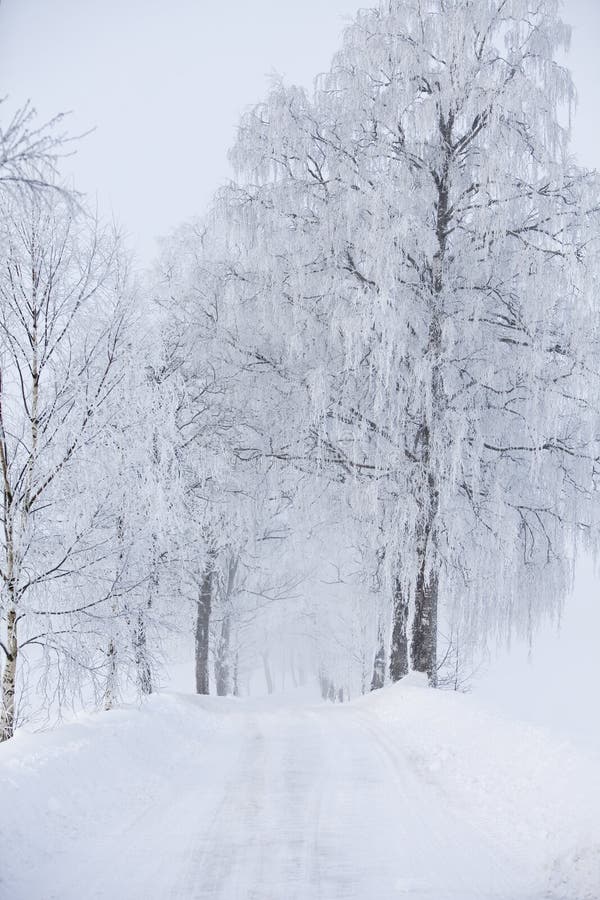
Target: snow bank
[65, 792]
[522, 785]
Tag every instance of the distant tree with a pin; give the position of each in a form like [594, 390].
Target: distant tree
[204, 425]
[228, 499]
[143, 500]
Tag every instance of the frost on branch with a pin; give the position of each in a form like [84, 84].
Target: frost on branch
[410, 252]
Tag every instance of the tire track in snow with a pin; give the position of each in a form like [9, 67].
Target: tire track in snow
[222, 850]
[261, 844]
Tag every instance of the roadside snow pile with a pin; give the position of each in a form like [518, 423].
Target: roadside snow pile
[521, 785]
[63, 793]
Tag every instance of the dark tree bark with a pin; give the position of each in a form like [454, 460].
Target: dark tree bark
[424, 631]
[204, 609]
[140, 638]
[378, 679]
[222, 669]
[424, 637]
[399, 651]
[9, 678]
[425, 622]
[142, 663]
[223, 648]
[110, 689]
[324, 685]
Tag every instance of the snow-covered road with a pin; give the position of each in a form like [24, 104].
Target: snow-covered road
[315, 806]
[232, 800]
[298, 805]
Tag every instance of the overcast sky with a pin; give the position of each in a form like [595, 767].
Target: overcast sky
[164, 84]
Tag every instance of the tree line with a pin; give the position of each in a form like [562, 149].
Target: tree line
[347, 425]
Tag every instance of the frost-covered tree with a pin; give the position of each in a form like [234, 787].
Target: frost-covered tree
[409, 255]
[139, 449]
[30, 151]
[234, 501]
[197, 368]
[63, 327]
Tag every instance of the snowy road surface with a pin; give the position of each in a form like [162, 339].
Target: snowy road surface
[191, 800]
[311, 805]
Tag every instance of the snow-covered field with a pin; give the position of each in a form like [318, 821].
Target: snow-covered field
[407, 793]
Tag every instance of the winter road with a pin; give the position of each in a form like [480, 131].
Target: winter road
[292, 803]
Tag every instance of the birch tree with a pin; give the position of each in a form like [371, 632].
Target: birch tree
[63, 322]
[229, 500]
[30, 151]
[202, 421]
[410, 248]
[144, 508]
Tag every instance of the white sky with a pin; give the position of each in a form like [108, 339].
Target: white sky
[164, 84]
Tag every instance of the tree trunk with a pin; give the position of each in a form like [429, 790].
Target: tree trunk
[110, 688]
[236, 674]
[424, 631]
[423, 649]
[222, 674]
[223, 649]
[202, 629]
[140, 639]
[111, 676]
[399, 651]
[425, 622]
[9, 677]
[378, 679]
[323, 684]
[267, 670]
[142, 663]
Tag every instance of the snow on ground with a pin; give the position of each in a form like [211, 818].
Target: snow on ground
[407, 793]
